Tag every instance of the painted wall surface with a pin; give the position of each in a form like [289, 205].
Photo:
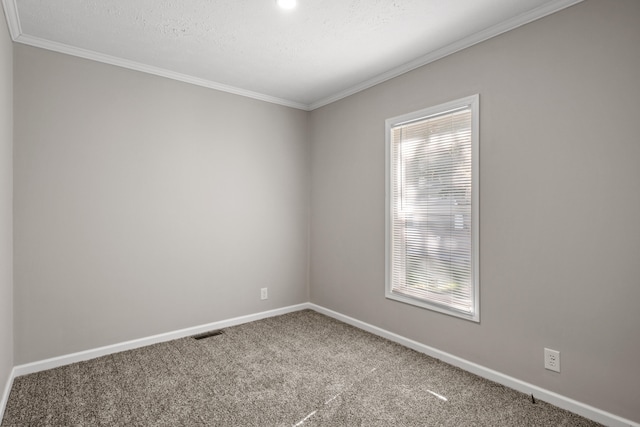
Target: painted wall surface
[559, 203]
[6, 204]
[144, 205]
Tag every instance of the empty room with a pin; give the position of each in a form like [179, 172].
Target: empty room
[310, 213]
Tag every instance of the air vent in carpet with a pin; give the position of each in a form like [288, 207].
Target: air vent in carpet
[208, 334]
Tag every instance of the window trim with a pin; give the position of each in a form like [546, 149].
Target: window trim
[473, 102]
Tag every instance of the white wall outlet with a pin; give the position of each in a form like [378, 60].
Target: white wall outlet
[264, 293]
[552, 360]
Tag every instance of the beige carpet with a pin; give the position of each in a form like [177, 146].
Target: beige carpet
[300, 369]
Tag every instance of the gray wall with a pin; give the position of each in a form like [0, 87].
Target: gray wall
[6, 204]
[144, 205]
[559, 203]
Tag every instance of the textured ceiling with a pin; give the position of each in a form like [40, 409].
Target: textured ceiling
[307, 57]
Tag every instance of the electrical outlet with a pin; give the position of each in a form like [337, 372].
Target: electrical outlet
[264, 293]
[552, 360]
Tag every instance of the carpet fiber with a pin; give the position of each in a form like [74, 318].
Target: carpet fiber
[301, 368]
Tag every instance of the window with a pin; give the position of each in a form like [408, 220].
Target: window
[432, 208]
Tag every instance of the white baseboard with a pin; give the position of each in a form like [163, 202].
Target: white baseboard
[68, 359]
[555, 399]
[560, 401]
[5, 393]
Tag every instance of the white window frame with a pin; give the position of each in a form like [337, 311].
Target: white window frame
[473, 103]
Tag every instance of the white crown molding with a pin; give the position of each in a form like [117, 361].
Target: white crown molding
[137, 66]
[13, 21]
[551, 397]
[496, 30]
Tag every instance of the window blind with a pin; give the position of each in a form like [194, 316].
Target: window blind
[432, 210]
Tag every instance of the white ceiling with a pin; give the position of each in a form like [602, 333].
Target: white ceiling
[321, 51]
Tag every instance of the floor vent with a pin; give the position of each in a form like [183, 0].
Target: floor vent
[208, 334]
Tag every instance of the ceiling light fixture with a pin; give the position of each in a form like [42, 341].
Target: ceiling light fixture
[286, 4]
